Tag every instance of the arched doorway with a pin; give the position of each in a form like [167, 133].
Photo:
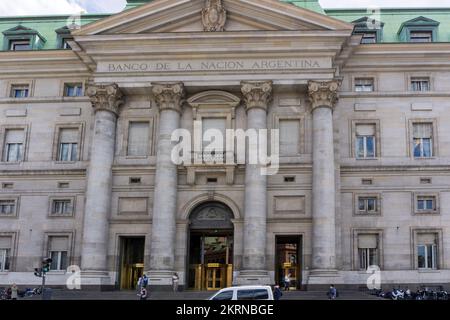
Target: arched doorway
[210, 255]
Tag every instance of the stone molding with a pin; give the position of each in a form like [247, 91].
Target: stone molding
[105, 97]
[257, 94]
[323, 93]
[214, 16]
[169, 96]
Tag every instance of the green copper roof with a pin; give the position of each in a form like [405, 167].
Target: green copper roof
[392, 20]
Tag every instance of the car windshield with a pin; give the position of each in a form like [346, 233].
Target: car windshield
[225, 295]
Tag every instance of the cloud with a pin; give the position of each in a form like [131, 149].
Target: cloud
[48, 7]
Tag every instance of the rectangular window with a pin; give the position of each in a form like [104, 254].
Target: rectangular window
[65, 44]
[5, 253]
[290, 137]
[423, 140]
[421, 84]
[20, 91]
[68, 145]
[13, 147]
[369, 37]
[19, 45]
[138, 139]
[368, 250]
[7, 207]
[426, 203]
[365, 141]
[421, 36]
[364, 85]
[73, 89]
[62, 207]
[58, 252]
[367, 205]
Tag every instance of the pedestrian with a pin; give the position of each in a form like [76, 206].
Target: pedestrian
[14, 292]
[332, 292]
[277, 294]
[175, 280]
[143, 294]
[144, 281]
[139, 284]
[287, 282]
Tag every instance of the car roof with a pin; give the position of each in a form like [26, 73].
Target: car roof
[247, 287]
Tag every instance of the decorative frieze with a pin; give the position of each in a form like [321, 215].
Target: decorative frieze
[323, 93]
[257, 94]
[214, 16]
[169, 95]
[105, 97]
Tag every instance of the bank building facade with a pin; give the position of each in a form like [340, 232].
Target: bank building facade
[361, 100]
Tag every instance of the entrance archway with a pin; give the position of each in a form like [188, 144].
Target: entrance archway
[210, 250]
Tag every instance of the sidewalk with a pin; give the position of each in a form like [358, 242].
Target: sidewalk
[192, 295]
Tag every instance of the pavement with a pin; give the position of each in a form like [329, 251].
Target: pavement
[192, 295]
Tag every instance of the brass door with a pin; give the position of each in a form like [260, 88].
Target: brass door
[215, 276]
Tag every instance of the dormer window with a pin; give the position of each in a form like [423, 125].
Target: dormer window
[419, 30]
[21, 38]
[421, 36]
[370, 29]
[64, 36]
[19, 45]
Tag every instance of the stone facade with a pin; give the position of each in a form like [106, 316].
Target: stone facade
[166, 73]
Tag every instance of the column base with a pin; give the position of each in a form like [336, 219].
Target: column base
[322, 278]
[253, 277]
[160, 280]
[96, 280]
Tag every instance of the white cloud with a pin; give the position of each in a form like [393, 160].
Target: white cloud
[38, 7]
[48, 7]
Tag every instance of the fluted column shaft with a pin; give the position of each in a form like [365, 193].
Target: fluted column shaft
[106, 100]
[257, 96]
[323, 96]
[168, 97]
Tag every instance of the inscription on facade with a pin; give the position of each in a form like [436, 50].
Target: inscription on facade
[216, 65]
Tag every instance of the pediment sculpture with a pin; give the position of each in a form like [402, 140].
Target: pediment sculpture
[214, 16]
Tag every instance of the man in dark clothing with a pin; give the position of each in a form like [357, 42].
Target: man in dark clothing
[277, 294]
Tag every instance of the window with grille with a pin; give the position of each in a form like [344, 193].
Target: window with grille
[420, 84]
[364, 84]
[368, 252]
[7, 207]
[365, 141]
[421, 36]
[62, 207]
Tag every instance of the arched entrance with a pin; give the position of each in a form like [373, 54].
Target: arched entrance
[210, 250]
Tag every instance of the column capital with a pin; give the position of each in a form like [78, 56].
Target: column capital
[257, 94]
[105, 97]
[323, 93]
[168, 95]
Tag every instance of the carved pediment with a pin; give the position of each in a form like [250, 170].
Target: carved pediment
[161, 16]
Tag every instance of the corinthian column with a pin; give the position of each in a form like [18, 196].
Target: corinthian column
[323, 96]
[169, 98]
[106, 100]
[257, 96]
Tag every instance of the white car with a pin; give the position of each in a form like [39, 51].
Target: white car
[244, 293]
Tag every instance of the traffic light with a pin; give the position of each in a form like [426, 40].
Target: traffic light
[46, 265]
[38, 272]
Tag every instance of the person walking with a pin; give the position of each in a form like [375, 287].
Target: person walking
[175, 280]
[277, 294]
[287, 282]
[332, 292]
[14, 292]
[144, 281]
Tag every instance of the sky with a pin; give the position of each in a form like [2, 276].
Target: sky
[44, 7]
